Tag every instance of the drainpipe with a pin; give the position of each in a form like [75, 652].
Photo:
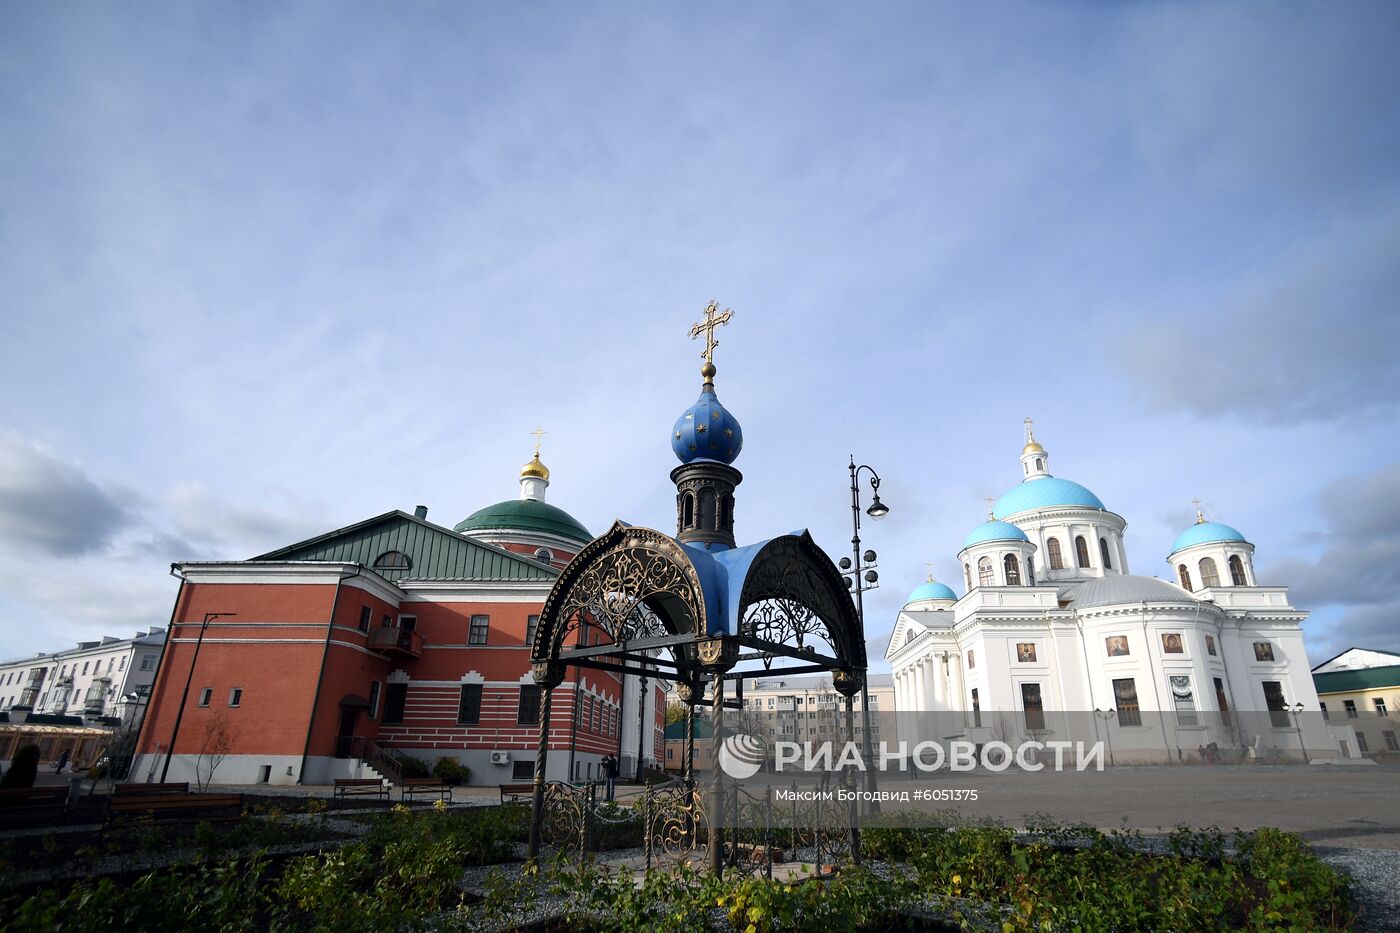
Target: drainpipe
[321, 674]
[160, 668]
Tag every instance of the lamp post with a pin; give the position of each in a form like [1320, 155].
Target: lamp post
[1105, 715]
[184, 697]
[1296, 709]
[860, 583]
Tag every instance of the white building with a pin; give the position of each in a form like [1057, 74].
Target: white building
[1052, 627]
[96, 680]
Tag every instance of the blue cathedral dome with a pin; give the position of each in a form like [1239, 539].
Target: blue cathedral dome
[993, 530]
[707, 431]
[1206, 533]
[931, 590]
[1043, 492]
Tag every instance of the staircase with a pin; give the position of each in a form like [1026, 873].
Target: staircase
[376, 760]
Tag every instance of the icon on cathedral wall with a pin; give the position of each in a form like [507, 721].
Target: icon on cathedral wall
[1025, 652]
[1263, 651]
[1210, 645]
[1117, 645]
[1171, 643]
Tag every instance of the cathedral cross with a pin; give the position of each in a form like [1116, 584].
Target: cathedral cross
[1197, 503]
[1029, 436]
[539, 433]
[930, 571]
[991, 508]
[713, 318]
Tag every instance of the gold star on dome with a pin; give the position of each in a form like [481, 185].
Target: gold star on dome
[714, 414]
[678, 435]
[700, 429]
[728, 432]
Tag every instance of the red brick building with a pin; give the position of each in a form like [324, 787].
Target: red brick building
[335, 656]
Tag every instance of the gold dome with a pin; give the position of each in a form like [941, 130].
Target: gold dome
[535, 468]
[1032, 448]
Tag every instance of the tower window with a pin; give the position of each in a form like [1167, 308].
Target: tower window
[544, 555]
[687, 510]
[967, 575]
[1237, 571]
[1039, 465]
[1013, 570]
[1081, 551]
[1210, 576]
[392, 560]
[985, 575]
[1103, 552]
[1185, 576]
[1057, 559]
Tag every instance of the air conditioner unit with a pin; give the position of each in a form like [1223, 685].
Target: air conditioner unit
[500, 758]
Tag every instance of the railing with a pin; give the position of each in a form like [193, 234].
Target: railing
[382, 758]
[396, 640]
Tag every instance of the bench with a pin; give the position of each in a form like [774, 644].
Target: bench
[514, 793]
[360, 787]
[177, 808]
[35, 799]
[126, 790]
[412, 787]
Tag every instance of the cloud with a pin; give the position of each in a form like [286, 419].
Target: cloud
[1311, 338]
[226, 530]
[53, 506]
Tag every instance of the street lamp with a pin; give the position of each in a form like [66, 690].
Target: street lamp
[184, 698]
[1105, 715]
[860, 583]
[1295, 710]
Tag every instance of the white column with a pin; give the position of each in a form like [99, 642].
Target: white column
[920, 698]
[898, 690]
[940, 685]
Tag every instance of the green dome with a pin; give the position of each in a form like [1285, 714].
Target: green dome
[525, 515]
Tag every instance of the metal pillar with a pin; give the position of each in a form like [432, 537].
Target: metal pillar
[541, 757]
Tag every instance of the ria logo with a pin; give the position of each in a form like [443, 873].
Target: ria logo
[741, 755]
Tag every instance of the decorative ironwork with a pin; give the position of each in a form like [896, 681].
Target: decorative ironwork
[792, 593]
[568, 811]
[674, 824]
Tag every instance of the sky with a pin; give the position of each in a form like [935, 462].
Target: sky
[267, 269]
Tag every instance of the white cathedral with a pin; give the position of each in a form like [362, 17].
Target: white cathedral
[1052, 628]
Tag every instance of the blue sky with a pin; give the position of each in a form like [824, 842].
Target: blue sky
[268, 269]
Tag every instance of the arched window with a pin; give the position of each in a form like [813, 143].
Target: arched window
[544, 555]
[1210, 576]
[1185, 576]
[967, 575]
[1057, 560]
[985, 576]
[1039, 464]
[1013, 570]
[688, 510]
[909, 635]
[1030, 571]
[707, 509]
[1237, 571]
[726, 511]
[1103, 552]
[392, 560]
[1081, 551]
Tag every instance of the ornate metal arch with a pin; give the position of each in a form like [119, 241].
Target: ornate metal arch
[792, 592]
[632, 583]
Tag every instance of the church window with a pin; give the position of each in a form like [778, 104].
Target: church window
[909, 636]
[1210, 576]
[1081, 551]
[985, 575]
[1030, 571]
[1033, 707]
[1057, 560]
[1103, 552]
[1039, 464]
[1125, 698]
[1220, 702]
[1013, 570]
[967, 575]
[392, 560]
[688, 510]
[480, 626]
[1210, 645]
[976, 706]
[544, 555]
[1273, 700]
[1183, 699]
[1185, 576]
[1237, 571]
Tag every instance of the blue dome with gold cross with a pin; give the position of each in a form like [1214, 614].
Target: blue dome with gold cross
[706, 430]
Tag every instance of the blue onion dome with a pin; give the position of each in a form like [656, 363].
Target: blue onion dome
[931, 590]
[1204, 532]
[1041, 492]
[993, 530]
[706, 430]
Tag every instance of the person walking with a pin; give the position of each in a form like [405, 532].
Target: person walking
[610, 774]
[61, 763]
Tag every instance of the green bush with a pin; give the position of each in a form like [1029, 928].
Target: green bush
[451, 772]
[24, 768]
[414, 767]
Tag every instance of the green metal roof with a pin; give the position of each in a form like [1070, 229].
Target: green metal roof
[526, 515]
[434, 553]
[676, 730]
[1366, 678]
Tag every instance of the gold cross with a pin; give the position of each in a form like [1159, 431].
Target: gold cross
[1197, 503]
[991, 508]
[930, 571]
[539, 433]
[713, 318]
[1029, 436]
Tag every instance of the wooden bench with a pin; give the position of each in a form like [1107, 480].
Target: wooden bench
[177, 808]
[412, 787]
[514, 793]
[127, 790]
[35, 800]
[360, 787]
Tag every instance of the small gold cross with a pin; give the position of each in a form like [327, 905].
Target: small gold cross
[713, 318]
[539, 433]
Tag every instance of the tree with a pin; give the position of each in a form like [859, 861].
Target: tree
[23, 769]
[216, 743]
[675, 712]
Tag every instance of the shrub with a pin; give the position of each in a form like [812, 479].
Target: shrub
[23, 769]
[414, 767]
[451, 771]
